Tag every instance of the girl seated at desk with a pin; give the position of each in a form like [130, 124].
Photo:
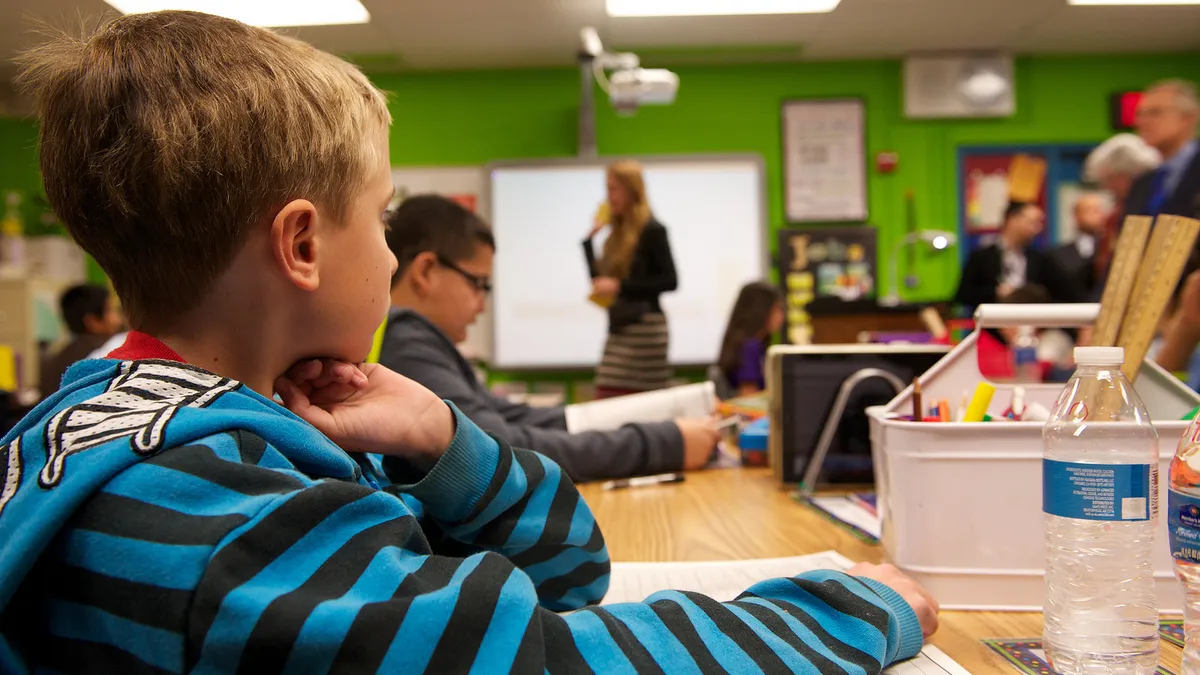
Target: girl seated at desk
[756, 316]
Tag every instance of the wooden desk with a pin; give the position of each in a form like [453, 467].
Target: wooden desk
[742, 513]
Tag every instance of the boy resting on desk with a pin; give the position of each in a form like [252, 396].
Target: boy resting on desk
[445, 256]
[161, 513]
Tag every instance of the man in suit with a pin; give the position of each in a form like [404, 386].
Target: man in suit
[1166, 120]
[1075, 262]
[996, 270]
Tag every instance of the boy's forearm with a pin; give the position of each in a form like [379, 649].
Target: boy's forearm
[519, 504]
[827, 621]
[374, 602]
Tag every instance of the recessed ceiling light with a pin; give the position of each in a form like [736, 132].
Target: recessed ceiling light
[717, 7]
[260, 12]
[1142, 3]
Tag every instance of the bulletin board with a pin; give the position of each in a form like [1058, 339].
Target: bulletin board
[987, 183]
[825, 160]
[822, 268]
[983, 178]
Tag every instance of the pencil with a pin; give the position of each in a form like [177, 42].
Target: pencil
[918, 413]
[944, 410]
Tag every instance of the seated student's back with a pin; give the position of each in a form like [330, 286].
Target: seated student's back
[162, 513]
[757, 314]
[91, 315]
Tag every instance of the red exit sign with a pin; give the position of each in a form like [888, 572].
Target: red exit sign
[1124, 109]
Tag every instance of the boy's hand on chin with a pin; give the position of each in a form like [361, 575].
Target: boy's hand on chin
[368, 408]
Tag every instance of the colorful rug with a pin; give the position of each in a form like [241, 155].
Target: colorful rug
[1028, 657]
[1171, 630]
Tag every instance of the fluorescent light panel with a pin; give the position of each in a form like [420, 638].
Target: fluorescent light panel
[260, 12]
[1133, 3]
[621, 8]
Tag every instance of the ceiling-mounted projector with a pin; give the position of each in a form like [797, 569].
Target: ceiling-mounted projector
[630, 85]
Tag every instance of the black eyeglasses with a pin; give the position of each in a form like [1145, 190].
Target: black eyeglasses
[481, 284]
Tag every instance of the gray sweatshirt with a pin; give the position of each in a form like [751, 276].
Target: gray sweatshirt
[415, 348]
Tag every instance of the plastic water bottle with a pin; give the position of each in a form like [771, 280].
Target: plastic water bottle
[1026, 367]
[1100, 500]
[1183, 526]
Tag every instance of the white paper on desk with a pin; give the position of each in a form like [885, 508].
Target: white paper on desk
[687, 401]
[725, 580]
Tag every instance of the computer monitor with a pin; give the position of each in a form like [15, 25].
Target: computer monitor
[803, 383]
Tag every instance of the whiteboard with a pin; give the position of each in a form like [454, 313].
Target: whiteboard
[715, 215]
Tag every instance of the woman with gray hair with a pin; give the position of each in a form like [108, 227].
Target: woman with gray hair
[1119, 161]
[1115, 164]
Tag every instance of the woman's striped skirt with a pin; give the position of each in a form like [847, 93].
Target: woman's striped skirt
[635, 358]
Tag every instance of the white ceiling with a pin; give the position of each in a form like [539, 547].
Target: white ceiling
[440, 34]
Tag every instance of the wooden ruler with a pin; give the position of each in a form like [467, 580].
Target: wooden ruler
[1127, 257]
[1166, 254]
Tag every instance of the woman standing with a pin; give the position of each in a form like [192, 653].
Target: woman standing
[634, 268]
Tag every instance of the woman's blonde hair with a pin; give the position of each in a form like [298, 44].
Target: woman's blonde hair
[626, 227]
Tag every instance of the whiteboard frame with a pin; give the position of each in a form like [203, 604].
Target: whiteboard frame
[602, 162]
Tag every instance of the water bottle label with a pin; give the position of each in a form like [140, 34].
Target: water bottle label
[1183, 526]
[1116, 492]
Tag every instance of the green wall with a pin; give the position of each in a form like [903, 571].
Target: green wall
[476, 117]
[18, 167]
[480, 116]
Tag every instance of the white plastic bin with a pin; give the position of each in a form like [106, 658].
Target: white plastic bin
[961, 502]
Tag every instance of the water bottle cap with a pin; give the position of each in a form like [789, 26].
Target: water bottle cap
[1099, 356]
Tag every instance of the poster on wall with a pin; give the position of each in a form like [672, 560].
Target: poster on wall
[465, 185]
[825, 162]
[988, 186]
[822, 268]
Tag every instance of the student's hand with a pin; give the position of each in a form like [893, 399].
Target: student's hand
[368, 408]
[606, 287]
[924, 604]
[1003, 291]
[699, 440]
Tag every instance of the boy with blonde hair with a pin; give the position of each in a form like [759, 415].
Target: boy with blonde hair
[162, 513]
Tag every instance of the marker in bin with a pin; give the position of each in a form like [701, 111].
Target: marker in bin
[1017, 407]
[978, 407]
[1021, 410]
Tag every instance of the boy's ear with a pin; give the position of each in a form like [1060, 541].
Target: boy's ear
[420, 271]
[294, 243]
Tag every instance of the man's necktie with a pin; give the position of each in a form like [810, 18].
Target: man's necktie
[1158, 192]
